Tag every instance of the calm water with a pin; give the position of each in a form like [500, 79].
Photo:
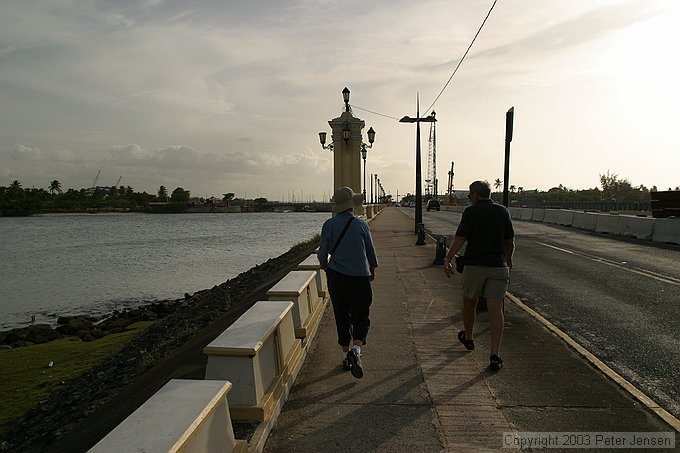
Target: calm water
[60, 265]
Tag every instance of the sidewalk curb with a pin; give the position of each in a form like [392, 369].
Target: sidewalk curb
[600, 365]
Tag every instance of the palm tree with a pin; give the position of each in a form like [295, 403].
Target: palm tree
[15, 191]
[512, 188]
[55, 186]
[497, 183]
[163, 193]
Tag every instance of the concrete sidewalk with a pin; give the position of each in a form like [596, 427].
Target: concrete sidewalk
[422, 391]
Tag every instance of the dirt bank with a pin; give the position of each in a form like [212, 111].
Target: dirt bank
[79, 415]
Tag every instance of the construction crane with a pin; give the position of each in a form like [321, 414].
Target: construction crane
[431, 179]
[452, 200]
[96, 178]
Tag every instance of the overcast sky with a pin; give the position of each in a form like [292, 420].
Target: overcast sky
[229, 96]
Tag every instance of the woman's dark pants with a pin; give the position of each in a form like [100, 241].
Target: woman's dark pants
[351, 297]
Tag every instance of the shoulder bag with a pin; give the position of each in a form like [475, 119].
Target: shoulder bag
[342, 235]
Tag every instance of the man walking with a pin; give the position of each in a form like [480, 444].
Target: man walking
[350, 270]
[487, 229]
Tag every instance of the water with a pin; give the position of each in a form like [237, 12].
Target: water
[64, 265]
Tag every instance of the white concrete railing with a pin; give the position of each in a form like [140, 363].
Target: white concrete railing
[300, 288]
[183, 416]
[257, 358]
[647, 228]
[311, 263]
[260, 355]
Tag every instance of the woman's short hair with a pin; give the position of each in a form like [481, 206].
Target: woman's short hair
[483, 188]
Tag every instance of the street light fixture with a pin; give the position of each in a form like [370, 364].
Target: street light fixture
[346, 131]
[345, 97]
[419, 189]
[322, 139]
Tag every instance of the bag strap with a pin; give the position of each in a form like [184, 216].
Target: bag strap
[342, 235]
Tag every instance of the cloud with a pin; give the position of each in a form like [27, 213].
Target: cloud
[23, 152]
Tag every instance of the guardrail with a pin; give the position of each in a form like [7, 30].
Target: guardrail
[663, 230]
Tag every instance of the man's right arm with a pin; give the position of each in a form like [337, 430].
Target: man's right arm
[509, 251]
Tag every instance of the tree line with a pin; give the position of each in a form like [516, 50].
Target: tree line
[612, 188]
[18, 201]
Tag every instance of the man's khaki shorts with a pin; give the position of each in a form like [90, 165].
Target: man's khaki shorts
[488, 282]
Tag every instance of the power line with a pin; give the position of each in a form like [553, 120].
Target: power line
[450, 78]
[375, 113]
[464, 55]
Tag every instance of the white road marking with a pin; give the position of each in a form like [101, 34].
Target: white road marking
[617, 264]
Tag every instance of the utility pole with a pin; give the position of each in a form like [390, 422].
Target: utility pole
[509, 120]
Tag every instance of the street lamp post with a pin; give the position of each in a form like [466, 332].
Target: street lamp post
[374, 187]
[363, 156]
[364, 150]
[419, 189]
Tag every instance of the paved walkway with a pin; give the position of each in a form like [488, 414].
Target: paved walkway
[423, 392]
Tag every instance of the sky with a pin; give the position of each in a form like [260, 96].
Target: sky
[219, 96]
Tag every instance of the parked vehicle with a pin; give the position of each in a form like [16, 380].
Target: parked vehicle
[433, 205]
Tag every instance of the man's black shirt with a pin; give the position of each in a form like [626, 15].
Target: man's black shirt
[485, 226]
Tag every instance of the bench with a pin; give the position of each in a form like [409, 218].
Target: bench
[311, 263]
[260, 356]
[300, 288]
[184, 415]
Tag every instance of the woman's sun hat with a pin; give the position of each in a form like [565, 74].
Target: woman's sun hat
[344, 199]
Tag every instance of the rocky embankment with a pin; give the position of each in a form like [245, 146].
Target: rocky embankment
[83, 411]
[87, 328]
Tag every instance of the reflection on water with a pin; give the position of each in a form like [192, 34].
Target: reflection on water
[57, 265]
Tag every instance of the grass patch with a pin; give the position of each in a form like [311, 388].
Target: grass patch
[26, 379]
[305, 244]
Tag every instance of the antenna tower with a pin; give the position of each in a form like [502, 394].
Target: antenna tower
[431, 179]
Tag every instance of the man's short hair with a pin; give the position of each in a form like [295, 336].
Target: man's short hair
[483, 188]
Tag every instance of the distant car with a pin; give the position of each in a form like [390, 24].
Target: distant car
[433, 205]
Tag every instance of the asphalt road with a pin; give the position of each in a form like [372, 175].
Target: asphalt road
[618, 298]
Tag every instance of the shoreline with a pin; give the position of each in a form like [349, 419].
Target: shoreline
[98, 213]
[77, 416]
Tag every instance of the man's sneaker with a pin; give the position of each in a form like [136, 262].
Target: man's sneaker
[469, 344]
[355, 364]
[495, 362]
[345, 364]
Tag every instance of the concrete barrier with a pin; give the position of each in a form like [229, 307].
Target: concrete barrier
[526, 214]
[311, 263]
[300, 287]
[609, 224]
[551, 216]
[585, 221]
[448, 208]
[565, 217]
[183, 416]
[538, 215]
[666, 231]
[260, 355]
[515, 213]
[637, 227]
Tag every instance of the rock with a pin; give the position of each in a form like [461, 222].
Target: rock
[72, 325]
[42, 333]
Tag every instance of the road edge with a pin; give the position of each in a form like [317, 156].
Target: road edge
[599, 364]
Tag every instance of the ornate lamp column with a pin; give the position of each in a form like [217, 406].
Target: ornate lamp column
[347, 146]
